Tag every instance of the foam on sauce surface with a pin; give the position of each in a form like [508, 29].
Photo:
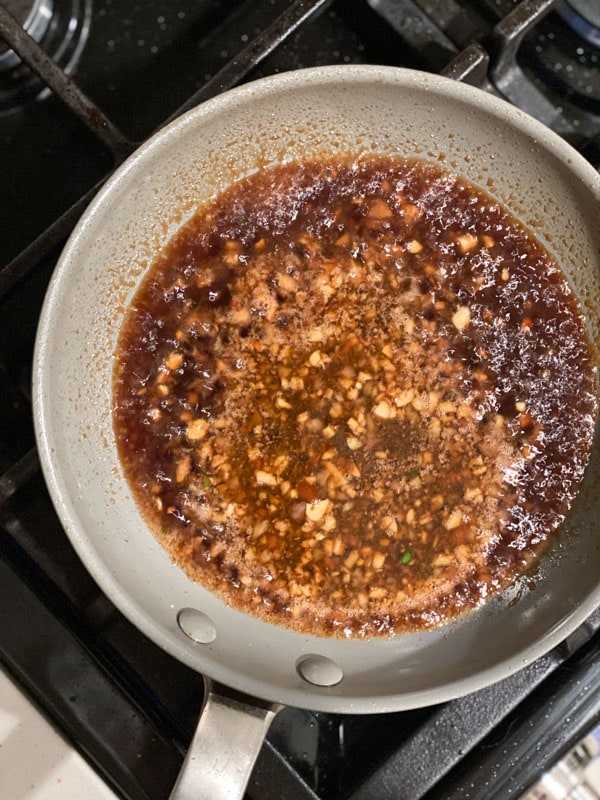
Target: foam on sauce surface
[354, 398]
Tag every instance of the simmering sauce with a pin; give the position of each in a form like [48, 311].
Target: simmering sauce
[354, 398]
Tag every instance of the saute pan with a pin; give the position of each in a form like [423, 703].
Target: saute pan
[336, 110]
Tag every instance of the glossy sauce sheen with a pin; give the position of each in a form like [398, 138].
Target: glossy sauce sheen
[354, 398]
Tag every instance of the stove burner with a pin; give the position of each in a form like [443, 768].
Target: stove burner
[34, 18]
[60, 27]
[568, 65]
[583, 16]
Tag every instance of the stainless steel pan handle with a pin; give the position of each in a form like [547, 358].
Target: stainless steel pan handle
[226, 744]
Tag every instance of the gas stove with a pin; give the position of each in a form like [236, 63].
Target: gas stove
[82, 83]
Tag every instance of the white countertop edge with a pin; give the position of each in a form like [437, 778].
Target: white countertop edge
[36, 762]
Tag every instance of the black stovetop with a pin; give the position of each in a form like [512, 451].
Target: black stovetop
[125, 704]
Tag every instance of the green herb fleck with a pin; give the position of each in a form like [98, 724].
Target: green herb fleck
[413, 473]
[206, 481]
[407, 557]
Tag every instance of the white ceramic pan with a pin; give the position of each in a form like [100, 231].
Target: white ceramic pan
[357, 109]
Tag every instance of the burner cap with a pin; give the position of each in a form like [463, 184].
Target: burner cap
[34, 17]
[60, 27]
[583, 16]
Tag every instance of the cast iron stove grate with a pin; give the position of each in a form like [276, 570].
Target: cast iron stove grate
[125, 70]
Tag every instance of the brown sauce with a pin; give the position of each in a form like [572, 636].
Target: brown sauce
[354, 398]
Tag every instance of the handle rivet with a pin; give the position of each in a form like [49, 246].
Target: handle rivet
[319, 670]
[197, 625]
